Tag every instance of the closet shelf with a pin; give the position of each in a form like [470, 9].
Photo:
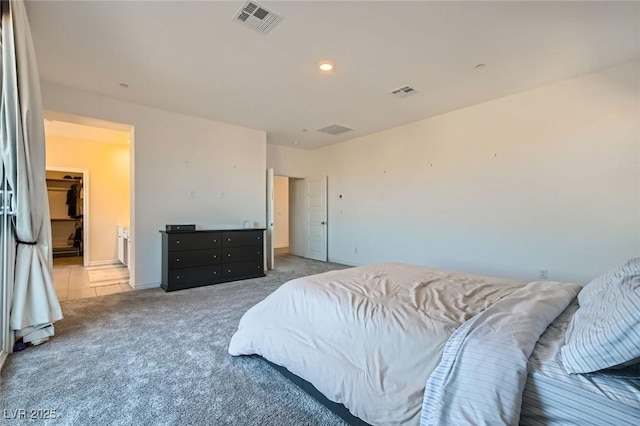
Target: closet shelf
[64, 180]
[70, 219]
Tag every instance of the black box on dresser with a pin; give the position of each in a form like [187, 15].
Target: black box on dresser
[180, 228]
[204, 257]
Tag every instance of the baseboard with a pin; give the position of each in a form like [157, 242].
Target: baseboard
[105, 263]
[144, 286]
[344, 262]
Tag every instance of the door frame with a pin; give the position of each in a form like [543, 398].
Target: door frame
[85, 206]
[270, 252]
[270, 246]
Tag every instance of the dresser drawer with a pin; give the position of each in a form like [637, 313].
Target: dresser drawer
[242, 238]
[241, 270]
[241, 254]
[189, 258]
[194, 241]
[193, 277]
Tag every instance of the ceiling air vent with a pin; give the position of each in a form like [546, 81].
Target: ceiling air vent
[257, 17]
[335, 129]
[404, 91]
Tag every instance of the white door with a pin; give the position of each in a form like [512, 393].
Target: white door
[317, 218]
[270, 221]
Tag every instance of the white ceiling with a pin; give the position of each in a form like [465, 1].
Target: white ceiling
[192, 58]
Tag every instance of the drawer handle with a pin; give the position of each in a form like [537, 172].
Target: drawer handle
[215, 273]
[177, 277]
[215, 256]
[178, 260]
[228, 254]
[177, 241]
[229, 270]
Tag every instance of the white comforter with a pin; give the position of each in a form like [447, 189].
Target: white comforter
[367, 337]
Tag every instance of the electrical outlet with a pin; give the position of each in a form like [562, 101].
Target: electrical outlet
[543, 274]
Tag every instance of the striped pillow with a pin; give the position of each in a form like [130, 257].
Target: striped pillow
[612, 277]
[605, 332]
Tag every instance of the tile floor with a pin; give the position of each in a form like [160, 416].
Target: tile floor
[71, 281]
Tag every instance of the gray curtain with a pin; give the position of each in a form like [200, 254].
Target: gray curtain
[34, 305]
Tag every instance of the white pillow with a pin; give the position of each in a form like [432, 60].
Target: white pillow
[605, 331]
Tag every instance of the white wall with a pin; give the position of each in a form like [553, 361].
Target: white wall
[184, 170]
[286, 161]
[109, 196]
[547, 178]
[281, 211]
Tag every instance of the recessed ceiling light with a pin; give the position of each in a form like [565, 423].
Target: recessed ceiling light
[480, 66]
[325, 66]
[295, 142]
[124, 85]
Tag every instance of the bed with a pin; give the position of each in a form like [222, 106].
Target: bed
[404, 344]
[551, 396]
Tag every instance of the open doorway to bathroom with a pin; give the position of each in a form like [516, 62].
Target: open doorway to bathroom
[88, 181]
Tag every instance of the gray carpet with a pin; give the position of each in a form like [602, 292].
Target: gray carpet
[150, 357]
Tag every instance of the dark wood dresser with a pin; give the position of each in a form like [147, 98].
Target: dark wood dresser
[203, 257]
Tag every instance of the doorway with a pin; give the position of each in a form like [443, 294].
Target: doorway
[89, 187]
[69, 213]
[296, 217]
[281, 215]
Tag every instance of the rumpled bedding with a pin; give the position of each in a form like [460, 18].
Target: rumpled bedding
[369, 337]
[483, 370]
